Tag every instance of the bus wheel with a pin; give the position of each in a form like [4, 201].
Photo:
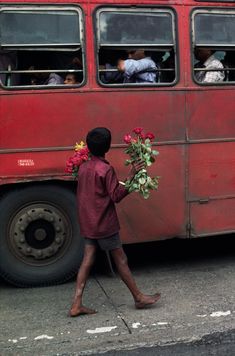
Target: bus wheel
[39, 237]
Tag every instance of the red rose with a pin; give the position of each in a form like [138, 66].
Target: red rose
[76, 160]
[149, 135]
[69, 170]
[83, 151]
[138, 130]
[69, 166]
[85, 157]
[127, 138]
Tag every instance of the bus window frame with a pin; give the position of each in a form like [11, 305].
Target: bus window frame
[209, 11]
[57, 7]
[148, 9]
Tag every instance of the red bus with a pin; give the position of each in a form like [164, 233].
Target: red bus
[40, 120]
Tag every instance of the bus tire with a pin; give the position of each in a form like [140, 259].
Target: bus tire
[40, 242]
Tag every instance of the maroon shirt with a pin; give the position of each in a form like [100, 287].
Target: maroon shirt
[98, 191]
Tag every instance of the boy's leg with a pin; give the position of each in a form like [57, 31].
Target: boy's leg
[141, 300]
[83, 273]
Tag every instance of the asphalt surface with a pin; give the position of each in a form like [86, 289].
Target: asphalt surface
[195, 316]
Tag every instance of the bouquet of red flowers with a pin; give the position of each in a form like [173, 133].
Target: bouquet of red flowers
[140, 147]
[80, 155]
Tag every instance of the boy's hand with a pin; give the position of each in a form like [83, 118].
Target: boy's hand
[136, 167]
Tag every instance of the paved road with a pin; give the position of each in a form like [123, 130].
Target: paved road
[196, 312]
[215, 345]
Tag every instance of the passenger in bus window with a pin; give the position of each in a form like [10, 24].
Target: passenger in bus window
[207, 60]
[54, 79]
[72, 79]
[138, 68]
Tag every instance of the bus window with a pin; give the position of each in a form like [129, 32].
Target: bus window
[214, 46]
[136, 47]
[40, 46]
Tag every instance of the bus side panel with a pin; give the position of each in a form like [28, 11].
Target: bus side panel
[212, 170]
[216, 217]
[68, 115]
[211, 113]
[212, 187]
[211, 129]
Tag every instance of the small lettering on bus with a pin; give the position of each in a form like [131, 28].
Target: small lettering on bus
[25, 162]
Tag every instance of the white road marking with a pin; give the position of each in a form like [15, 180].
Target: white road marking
[40, 337]
[136, 325]
[104, 329]
[162, 323]
[220, 313]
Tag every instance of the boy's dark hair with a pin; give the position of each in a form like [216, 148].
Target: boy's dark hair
[98, 141]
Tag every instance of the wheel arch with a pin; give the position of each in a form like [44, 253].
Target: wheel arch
[9, 187]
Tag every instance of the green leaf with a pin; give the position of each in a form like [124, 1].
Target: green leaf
[155, 153]
[142, 180]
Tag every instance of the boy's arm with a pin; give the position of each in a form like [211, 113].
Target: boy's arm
[116, 190]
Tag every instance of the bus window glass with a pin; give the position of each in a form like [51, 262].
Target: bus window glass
[215, 29]
[41, 47]
[136, 47]
[214, 46]
[39, 28]
[135, 28]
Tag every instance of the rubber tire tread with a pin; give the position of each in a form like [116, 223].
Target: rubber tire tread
[15, 271]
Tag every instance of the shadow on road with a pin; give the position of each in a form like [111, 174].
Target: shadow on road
[171, 252]
[176, 251]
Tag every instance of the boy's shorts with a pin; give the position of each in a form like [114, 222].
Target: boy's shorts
[106, 243]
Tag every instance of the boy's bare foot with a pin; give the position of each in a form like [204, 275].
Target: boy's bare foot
[81, 310]
[145, 300]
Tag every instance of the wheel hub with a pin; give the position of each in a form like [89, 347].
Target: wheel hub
[38, 232]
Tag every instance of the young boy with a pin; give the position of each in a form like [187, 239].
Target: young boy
[98, 191]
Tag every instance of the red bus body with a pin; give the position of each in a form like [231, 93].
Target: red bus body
[194, 126]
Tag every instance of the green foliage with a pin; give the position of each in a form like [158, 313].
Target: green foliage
[140, 148]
